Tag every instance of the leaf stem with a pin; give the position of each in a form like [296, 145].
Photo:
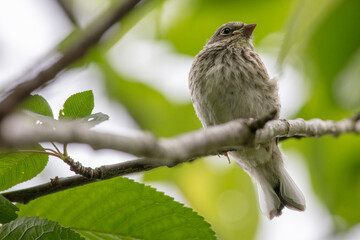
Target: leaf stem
[40, 152]
[51, 150]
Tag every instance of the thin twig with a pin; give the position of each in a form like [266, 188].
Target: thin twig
[56, 185]
[59, 184]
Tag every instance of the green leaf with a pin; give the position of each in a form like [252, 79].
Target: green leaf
[90, 235]
[120, 207]
[35, 228]
[7, 210]
[37, 104]
[78, 105]
[19, 167]
[224, 195]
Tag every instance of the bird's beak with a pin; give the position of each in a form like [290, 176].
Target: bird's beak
[248, 29]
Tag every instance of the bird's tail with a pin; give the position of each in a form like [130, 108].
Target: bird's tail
[277, 192]
[275, 187]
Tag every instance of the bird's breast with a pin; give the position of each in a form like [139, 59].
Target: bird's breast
[229, 86]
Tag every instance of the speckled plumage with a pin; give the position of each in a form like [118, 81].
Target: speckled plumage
[227, 81]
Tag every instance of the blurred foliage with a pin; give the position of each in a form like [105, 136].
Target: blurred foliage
[196, 21]
[149, 108]
[327, 47]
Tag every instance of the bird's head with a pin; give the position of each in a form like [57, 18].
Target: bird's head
[235, 32]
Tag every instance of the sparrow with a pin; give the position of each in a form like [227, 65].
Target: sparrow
[228, 81]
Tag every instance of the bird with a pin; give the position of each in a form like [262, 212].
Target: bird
[229, 81]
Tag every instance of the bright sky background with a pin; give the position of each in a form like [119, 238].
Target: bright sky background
[29, 30]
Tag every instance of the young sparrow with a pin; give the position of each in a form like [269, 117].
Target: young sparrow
[227, 81]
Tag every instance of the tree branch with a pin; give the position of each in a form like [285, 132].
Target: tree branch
[19, 131]
[72, 54]
[59, 184]
[157, 152]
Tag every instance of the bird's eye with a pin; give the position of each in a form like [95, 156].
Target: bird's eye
[226, 31]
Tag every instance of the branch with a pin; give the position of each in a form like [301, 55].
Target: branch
[59, 184]
[72, 54]
[158, 152]
[19, 131]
